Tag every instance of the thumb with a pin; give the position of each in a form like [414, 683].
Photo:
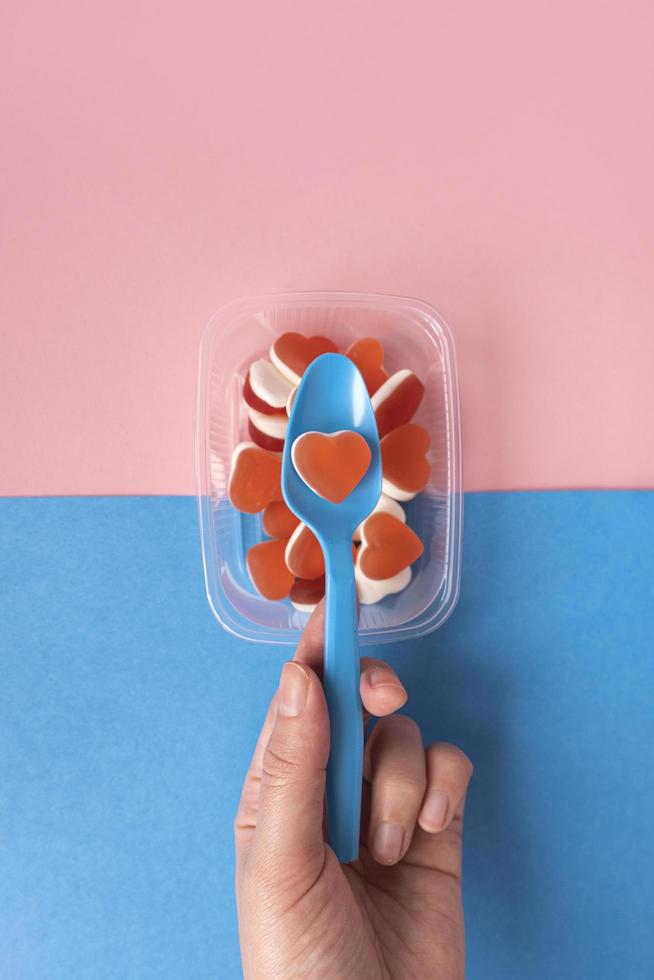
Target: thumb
[289, 838]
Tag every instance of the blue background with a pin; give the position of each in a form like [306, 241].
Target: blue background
[127, 718]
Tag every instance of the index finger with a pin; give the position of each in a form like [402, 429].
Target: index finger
[381, 690]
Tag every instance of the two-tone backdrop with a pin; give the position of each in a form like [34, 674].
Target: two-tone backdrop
[160, 159]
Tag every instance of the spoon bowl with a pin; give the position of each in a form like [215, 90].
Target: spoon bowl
[332, 397]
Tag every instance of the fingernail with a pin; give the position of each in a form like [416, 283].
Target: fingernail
[434, 811]
[387, 843]
[293, 688]
[378, 677]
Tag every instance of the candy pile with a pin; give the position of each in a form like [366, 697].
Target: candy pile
[291, 564]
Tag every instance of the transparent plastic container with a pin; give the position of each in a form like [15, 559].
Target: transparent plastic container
[414, 336]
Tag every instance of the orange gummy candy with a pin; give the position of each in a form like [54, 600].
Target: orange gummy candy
[278, 520]
[368, 355]
[304, 556]
[332, 465]
[388, 546]
[404, 462]
[268, 571]
[255, 479]
[396, 402]
[292, 353]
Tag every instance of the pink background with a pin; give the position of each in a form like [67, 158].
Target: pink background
[159, 159]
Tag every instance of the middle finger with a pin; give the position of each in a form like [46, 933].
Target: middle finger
[394, 765]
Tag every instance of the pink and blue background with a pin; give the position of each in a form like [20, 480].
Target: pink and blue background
[161, 159]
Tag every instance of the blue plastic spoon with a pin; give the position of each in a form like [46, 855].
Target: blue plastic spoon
[332, 397]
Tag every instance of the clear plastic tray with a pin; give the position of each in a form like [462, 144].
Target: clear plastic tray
[414, 336]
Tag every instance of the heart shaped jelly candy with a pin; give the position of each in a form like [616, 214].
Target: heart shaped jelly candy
[289, 401]
[387, 547]
[307, 593]
[255, 478]
[396, 402]
[385, 505]
[405, 469]
[274, 426]
[292, 353]
[372, 590]
[261, 439]
[278, 520]
[304, 556]
[332, 465]
[269, 384]
[268, 571]
[252, 400]
[368, 355]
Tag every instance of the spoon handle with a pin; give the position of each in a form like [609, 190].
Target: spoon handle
[341, 683]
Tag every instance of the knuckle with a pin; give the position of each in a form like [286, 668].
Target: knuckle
[402, 784]
[245, 819]
[450, 756]
[278, 769]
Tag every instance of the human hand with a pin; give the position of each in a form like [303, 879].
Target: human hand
[396, 912]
